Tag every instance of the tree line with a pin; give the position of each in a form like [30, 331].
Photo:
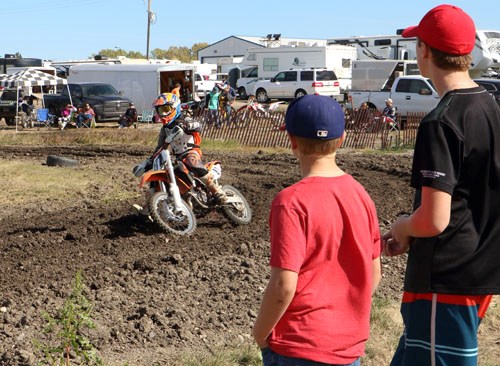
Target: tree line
[181, 53]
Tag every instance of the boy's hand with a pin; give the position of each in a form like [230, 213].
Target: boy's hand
[391, 247]
[396, 241]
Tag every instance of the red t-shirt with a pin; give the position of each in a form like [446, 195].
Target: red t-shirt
[326, 230]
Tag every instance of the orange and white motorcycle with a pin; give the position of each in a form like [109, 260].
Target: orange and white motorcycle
[178, 197]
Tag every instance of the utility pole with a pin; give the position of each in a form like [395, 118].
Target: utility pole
[149, 24]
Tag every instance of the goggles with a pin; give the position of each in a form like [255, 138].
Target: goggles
[164, 110]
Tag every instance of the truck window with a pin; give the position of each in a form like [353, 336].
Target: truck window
[411, 86]
[254, 73]
[75, 90]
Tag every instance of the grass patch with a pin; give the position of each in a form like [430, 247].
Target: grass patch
[247, 355]
[26, 183]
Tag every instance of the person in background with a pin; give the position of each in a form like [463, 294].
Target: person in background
[177, 90]
[85, 113]
[213, 106]
[325, 250]
[66, 115]
[389, 111]
[453, 233]
[129, 118]
[228, 95]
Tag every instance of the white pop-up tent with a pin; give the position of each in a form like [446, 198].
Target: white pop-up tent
[28, 78]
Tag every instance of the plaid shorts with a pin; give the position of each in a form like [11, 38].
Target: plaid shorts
[440, 329]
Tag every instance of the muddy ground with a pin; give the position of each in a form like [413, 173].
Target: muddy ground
[156, 295]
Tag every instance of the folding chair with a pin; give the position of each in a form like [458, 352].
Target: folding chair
[44, 118]
[64, 121]
[146, 116]
[89, 123]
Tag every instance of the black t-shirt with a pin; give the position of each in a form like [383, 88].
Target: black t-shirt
[458, 151]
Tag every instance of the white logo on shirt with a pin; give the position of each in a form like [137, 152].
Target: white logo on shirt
[432, 174]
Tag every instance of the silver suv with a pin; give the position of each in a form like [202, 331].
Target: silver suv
[294, 83]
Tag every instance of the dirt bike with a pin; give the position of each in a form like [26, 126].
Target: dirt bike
[253, 107]
[178, 197]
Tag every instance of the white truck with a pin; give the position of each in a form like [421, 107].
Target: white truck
[142, 83]
[413, 93]
[262, 63]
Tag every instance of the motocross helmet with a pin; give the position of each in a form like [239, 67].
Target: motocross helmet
[168, 107]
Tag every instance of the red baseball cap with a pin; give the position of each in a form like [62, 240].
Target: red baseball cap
[446, 28]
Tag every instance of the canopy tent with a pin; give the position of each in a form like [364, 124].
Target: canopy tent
[28, 78]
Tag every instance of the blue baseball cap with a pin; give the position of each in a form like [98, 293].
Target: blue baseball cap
[316, 117]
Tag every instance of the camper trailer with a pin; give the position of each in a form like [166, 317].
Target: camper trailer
[485, 55]
[264, 63]
[142, 83]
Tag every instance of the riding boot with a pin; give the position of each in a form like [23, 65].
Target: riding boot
[213, 187]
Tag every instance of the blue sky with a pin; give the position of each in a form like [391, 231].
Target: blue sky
[76, 29]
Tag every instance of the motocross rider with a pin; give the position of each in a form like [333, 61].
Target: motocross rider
[183, 136]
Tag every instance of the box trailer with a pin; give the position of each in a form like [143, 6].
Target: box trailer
[141, 83]
[380, 74]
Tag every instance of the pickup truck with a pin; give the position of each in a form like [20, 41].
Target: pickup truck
[106, 102]
[413, 93]
[203, 85]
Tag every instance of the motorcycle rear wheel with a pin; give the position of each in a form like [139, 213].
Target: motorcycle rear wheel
[163, 212]
[239, 211]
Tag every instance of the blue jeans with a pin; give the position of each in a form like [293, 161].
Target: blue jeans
[81, 118]
[271, 358]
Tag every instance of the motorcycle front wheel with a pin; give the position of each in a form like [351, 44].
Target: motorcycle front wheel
[163, 212]
[237, 208]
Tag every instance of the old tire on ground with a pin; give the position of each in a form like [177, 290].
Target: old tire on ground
[53, 160]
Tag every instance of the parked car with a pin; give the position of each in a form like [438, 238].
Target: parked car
[492, 86]
[8, 102]
[294, 83]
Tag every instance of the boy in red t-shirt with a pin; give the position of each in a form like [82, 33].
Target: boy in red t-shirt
[325, 250]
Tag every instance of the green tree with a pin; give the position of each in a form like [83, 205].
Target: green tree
[195, 48]
[181, 53]
[114, 53]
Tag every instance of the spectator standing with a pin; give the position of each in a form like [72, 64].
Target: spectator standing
[229, 95]
[325, 250]
[453, 234]
[213, 106]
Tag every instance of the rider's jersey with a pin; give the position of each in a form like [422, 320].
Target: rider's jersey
[182, 137]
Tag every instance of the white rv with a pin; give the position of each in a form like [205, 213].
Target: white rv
[485, 55]
[265, 62]
[142, 83]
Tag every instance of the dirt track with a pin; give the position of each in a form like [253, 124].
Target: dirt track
[155, 294]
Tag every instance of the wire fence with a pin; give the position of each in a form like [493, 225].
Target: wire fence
[365, 129]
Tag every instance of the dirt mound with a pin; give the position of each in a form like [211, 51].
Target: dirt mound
[156, 294]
